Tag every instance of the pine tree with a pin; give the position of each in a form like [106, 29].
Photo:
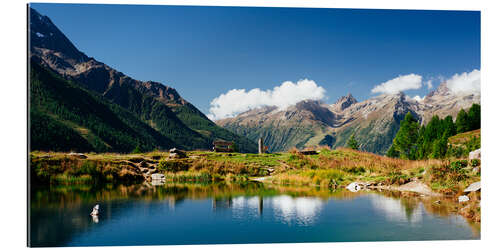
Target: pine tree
[474, 117]
[439, 147]
[405, 142]
[434, 129]
[352, 143]
[449, 126]
[138, 149]
[421, 142]
[392, 152]
[462, 122]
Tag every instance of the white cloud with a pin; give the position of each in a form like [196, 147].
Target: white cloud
[465, 82]
[418, 98]
[400, 83]
[236, 101]
[429, 84]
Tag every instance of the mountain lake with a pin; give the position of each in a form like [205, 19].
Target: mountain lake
[252, 212]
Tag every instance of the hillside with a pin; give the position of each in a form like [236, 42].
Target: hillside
[158, 106]
[463, 138]
[301, 125]
[64, 117]
[374, 122]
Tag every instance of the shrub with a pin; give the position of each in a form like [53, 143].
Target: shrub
[172, 165]
[456, 151]
[356, 170]
[458, 166]
[87, 168]
[397, 178]
[475, 162]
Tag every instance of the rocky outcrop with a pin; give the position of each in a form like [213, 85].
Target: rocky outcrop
[476, 154]
[177, 154]
[416, 187]
[357, 186]
[476, 186]
[343, 103]
[77, 155]
[463, 198]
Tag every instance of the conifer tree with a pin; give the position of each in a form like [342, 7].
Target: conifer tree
[392, 152]
[462, 122]
[474, 117]
[405, 142]
[449, 127]
[352, 143]
[138, 149]
[439, 147]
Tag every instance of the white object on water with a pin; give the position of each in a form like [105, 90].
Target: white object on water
[95, 210]
[95, 218]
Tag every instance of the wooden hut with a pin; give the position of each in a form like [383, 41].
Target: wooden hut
[223, 146]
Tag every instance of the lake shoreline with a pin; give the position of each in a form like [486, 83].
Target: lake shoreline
[246, 204]
[334, 169]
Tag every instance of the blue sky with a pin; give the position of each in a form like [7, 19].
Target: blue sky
[204, 52]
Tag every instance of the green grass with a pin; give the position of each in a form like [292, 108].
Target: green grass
[329, 168]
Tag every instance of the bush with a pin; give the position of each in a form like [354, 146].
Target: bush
[473, 144]
[138, 149]
[397, 178]
[458, 166]
[456, 151]
[356, 170]
[87, 168]
[172, 165]
[475, 162]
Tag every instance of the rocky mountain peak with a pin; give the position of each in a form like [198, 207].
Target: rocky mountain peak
[51, 48]
[442, 90]
[344, 102]
[44, 35]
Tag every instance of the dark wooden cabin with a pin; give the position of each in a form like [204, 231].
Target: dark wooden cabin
[223, 146]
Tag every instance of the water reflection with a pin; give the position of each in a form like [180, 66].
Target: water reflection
[301, 209]
[399, 210]
[188, 212]
[95, 218]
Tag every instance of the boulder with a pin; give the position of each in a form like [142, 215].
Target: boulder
[78, 155]
[476, 186]
[476, 154]
[158, 177]
[156, 157]
[354, 187]
[463, 198]
[157, 182]
[143, 164]
[176, 153]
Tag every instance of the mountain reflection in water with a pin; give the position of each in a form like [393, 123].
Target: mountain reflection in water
[236, 213]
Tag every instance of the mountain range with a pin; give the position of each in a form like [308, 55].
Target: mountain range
[374, 122]
[79, 103]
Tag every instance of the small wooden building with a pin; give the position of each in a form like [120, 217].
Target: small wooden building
[223, 146]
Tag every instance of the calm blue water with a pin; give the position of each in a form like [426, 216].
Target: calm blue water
[205, 214]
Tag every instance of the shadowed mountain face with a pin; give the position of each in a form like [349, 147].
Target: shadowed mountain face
[157, 105]
[297, 126]
[374, 122]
